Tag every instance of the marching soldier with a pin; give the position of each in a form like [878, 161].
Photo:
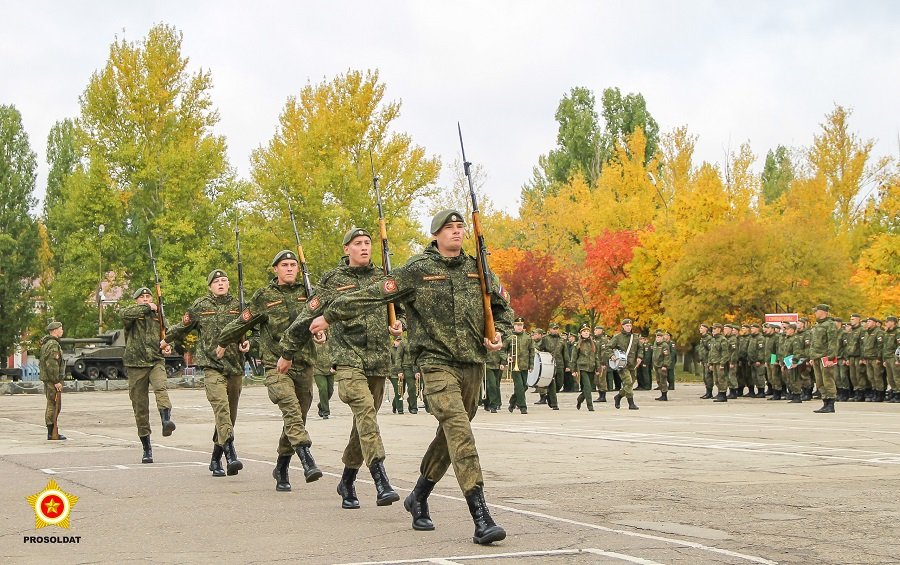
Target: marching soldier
[323, 374]
[548, 393]
[604, 380]
[569, 384]
[222, 377]
[703, 354]
[584, 366]
[823, 353]
[661, 352]
[272, 308]
[53, 371]
[625, 341]
[553, 343]
[145, 366]
[519, 356]
[360, 351]
[441, 290]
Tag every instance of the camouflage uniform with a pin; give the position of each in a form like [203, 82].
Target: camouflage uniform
[703, 358]
[145, 365]
[890, 343]
[584, 361]
[872, 345]
[731, 359]
[620, 341]
[854, 350]
[661, 351]
[824, 344]
[756, 345]
[323, 374]
[53, 371]
[521, 344]
[718, 351]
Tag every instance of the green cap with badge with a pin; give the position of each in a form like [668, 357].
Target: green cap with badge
[355, 232]
[284, 256]
[140, 291]
[218, 273]
[443, 218]
[54, 325]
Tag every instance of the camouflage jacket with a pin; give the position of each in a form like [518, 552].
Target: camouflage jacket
[890, 344]
[756, 345]
[52, 364]
[824, 339]
[553, 344]
[523, 347]
[603, 351]
[272, 309]
[443, 301]
[141, 336]
[743, 342]
[207, 316]
[323, 358]
[584, 358]
[854, 341]
[718, 349]
[703, 348]
[872, 343]
[732, 352]
[362, 341]
[620, 341]
[770, 348]
[805, 337]
[661, 353]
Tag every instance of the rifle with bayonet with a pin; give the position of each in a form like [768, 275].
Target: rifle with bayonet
[484, 271]
[159, 298]
[304, 268]
[385, 251]
[240, 273]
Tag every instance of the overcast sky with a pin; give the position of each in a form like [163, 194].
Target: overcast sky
[766, 72]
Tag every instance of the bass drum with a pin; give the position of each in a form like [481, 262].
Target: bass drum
[544, 367]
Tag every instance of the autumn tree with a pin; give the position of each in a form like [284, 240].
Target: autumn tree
[535, 283]
[604, 268]
[777, 174]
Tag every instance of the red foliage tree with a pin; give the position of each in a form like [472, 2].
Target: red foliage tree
[535, 283]
[605, 258]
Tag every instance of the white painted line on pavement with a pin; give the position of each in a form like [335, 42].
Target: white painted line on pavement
[98, 468]
[519, 554]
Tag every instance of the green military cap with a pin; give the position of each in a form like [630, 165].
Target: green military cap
[704, 325]
[443, 218]
[718, 325]
[599, 328]
[745, 326]
[791, 326]
[626, 321]
[283, 256]
[140, 291]
[823, 307]
[660, 333]
[754, 326]
[585, 327]
[538, 331]
[891, 319]
[215, 275]
[355, 232]
[802, 319]
[564, 334]
[54, 325]
[873, 318]
[554, 326]
[855, 316]
[519, 320]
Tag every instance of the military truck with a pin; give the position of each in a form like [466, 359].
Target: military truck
[100, 357]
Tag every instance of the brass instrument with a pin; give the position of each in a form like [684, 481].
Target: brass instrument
[514, 351]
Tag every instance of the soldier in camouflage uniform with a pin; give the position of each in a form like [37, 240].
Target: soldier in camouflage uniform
[398, 375]
[823, 354]
[718, 355]
[145, 366]
[604, 379]
[854, 350]
[584, 366]
[323, 374]
[872, 345]
[554, 344]
[548, 393]
[804, 371]
[792, 346]
[661, 353]
[441, 290]
[731, 359]
[272, 309]
[627, 342]
[53, 371]
[673, 359]
[360, 351]
[703, 357]
[888, 356]
[222, 377]
[770, 355]
[756, 345]
[520, 357]
[842, 371]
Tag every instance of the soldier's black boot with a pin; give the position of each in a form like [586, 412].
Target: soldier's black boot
[386, 494]
[347, 489]
[860, 396]
[602, 397]
[796, 398]
[486, 531]
[664, 396]
[578, 402]
[632, 405]
[542, 399]
[234, 464]
[894, 397]
[280, 473]
[732, 393]
[776, 394]
[417, 504]
[50, 432]
[760, 392]
[310, 470]
[879, 397]
[827, 407]
[148, 452]
[215, 463]
[806, 394]
[617, 399]
[168, 426]
[708, 394]
[868, 395]
[720, 397]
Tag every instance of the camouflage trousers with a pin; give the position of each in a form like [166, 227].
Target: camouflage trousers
[493, 388]
[873, 374]
[293, 395]
[223, 394]
[825, 379]
[325, 385]
[50, 393]
[731, 373]
[662, 378]
[453, 394]
[774, 376]
[140, 379]
[718, 371]
[892, 371]
[842, 375]
[627, 375]
[602, 383]
[412, 388]
[364, 396]
[857, 374]
[708, 375]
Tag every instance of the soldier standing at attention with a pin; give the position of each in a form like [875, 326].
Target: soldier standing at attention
[718, 353]
[145, 366]
[804, 371]
[673, 358]
[360, 351]
[770, 358]
[271, 309]
[661, 353]
[756, 345]
[221, 377]
[823, 354]
[872, 340]
[888, 356]
[323, 373]
[519, 356]
[854, 350]
[442, 293]
[842, 371]
[703, 355]
[584, 366]
[731, 359]
[53, 371]
[625, 341]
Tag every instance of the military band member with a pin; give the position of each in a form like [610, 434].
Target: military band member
[53, 372]
[222, 377]
[442, 292]
[626, 341]
[823, 353]
[569, 382]
[548, 393]
[520, 357]
[360, 351]
[584, 366]
[271, 309]
[495, 365]
[554, 344]
[145, 366]
[661, 352]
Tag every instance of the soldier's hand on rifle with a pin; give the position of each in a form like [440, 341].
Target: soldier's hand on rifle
[163, 344]
[244, 347]
[283, 365]
[152, 306]
[167, 350]
[495, 345]
[58, 387]
[396, 329]
[319, 338]
[220, 352]
[318, 325]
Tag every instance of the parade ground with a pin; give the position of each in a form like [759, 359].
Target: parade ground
[688, 481]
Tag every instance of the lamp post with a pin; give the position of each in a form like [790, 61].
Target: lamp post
[100, 229]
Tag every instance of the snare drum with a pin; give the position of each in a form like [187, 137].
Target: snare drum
[544, 367]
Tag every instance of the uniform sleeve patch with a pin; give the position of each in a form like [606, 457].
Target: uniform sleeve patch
[314, 303]
[246, 315]
[390, 286]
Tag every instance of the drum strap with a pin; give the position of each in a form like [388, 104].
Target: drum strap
[627, 351]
